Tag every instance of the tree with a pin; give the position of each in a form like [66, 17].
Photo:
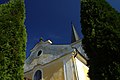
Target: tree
[12, 40]
[101, 30]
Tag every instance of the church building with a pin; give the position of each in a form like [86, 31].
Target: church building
[57, 62]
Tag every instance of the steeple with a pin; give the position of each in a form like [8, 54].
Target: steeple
[74, 36]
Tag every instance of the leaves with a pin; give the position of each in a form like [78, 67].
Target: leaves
[12, 40]
[101, 30]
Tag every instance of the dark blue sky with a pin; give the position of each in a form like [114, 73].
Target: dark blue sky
[51, 19]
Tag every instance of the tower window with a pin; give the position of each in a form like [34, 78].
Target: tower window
[39, 53]
[38, 75]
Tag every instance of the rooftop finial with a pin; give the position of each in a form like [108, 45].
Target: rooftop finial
[41, 39]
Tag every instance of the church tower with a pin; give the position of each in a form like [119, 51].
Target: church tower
[57, 62]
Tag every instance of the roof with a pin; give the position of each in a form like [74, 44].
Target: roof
[50, 52]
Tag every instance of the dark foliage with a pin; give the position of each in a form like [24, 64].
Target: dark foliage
[101, 30]
[12, 40]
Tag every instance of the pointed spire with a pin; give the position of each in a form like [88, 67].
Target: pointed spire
[74, 36]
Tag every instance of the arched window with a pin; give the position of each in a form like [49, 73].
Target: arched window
[38, 75]
[39, 53]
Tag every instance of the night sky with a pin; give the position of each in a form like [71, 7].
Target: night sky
[51, 19]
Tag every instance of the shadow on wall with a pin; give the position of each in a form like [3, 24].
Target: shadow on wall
[54, 72]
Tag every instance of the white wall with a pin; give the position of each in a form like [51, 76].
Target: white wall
[68, 68]
[82, 70]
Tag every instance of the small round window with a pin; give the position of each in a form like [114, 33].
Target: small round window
[39, 53]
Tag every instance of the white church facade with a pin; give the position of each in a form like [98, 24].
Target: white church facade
[57, 62]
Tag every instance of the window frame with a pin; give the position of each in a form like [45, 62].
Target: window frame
[35, 73]
[39, 54]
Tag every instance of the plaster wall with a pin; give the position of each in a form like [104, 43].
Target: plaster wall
[64, 68]
[54, 71]
[51, 71]
[69, 71]
[82, 70]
